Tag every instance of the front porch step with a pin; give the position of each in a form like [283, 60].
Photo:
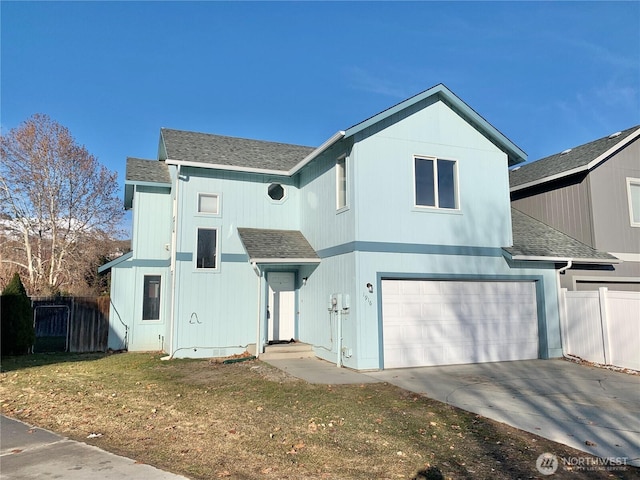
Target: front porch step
[287, 350]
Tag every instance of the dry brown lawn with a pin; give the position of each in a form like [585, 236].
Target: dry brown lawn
[248, 420]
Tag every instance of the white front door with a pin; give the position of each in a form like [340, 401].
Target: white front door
[281, 305]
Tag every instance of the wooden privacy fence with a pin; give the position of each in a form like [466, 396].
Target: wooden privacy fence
[71, 324]
[602, 326]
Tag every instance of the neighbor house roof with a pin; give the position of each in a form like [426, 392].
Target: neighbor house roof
[178, 147]
[144, 172]
[534, 240]
[219, 150]
[277, 246]
[571, 161]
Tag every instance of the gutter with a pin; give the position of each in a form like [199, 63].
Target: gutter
[562, 307]
[174, 250]
[259, 274]
[541, 258]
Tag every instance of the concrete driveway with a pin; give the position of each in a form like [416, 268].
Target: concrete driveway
[591, 409]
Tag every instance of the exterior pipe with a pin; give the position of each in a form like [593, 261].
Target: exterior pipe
[259, 274]
[562, 311]
[339, 322]
[174, 249]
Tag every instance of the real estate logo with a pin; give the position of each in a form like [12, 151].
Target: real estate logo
[547, 463]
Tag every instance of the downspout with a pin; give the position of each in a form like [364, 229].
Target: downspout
[174, 249]
[562, 306]
[259, 274]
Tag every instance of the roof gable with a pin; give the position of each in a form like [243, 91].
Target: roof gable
[442, 93]
[574, 160]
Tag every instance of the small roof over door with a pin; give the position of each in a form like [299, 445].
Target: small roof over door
[288, 247]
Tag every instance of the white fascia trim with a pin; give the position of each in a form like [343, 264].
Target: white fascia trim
[232, 168]
[296, 261]
[135, 183]
[334, 138]
[626, 257]
[589, 166]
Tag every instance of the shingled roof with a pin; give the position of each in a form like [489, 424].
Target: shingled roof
[277, 246]
[147, 171]
[573, 160]
[220, 150]
[536, 240]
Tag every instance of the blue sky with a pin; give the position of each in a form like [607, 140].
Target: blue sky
[550, 76]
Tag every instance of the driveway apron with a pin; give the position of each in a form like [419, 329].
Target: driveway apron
[591, 409]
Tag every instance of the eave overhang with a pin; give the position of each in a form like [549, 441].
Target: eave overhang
[540, 258]
[115, 262]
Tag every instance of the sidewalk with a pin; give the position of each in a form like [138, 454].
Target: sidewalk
[28, 453]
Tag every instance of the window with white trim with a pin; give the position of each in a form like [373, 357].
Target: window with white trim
[208, 203]
[207, 249]
[633, 194]
[341, 182]
[435, 182]
[151, 297]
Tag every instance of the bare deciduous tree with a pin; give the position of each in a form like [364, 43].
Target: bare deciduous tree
[55, 199]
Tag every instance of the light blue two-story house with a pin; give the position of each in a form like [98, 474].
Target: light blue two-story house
[389, 245]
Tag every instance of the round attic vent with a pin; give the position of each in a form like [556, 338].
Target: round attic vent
[614, 135]
[566, 151]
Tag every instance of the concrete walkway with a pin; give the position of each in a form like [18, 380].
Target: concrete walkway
[29, 453]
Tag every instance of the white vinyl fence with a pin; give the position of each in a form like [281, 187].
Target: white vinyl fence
[602, 326]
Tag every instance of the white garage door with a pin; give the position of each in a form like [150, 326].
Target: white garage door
[450, 322]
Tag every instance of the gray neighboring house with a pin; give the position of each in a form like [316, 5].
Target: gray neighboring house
[590, 193]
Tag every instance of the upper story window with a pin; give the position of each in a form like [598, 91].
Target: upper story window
[207, 249]
[209, 203]
[341, 182]
[151, 297]
[436, 182]
[276, 191]
[633, 194]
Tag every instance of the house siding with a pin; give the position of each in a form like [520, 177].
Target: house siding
[611, 220]
[384, 163]
[563, 205]
[215, 309]
[152, 223]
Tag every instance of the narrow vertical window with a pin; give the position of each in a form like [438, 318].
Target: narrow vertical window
[633, 192]
[151, 298]
[425, 189]
[207, 248]
[341, 182]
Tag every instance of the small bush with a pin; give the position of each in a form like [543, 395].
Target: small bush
[16, 319]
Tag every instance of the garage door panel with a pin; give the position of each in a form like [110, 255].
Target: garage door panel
[467, 322]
